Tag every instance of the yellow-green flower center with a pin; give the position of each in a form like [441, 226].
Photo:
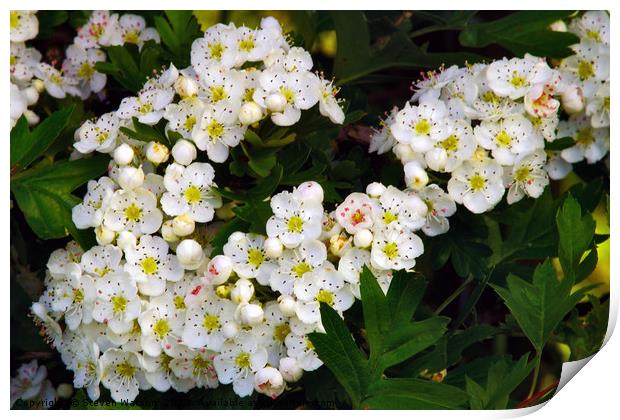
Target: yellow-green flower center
[594, 35]
[145, 108]
[125, 370]
[503, 139]
[522, 174]
[585, 69]
[585, 136]
[288, 94]
[281, 331]
[86, 71]
[179, 302]
[423, 127]
[200, 365]
[301, 269]
[190, 122]
[390, 250]
[255, 257]
[295, 224]
[389, 217]
[477, 182]
[243, 360]
[517, 80]
[247, 44]
[119, 304]
[309, 344]
[450, 144]
[606, 103]
[133, 213]
[218, 93]
[14, 19]
[78, 296]
[216, 50]
[102, 271]
[211, 322]
[215, 129]
[149, 265]
[490, 97]
[192, 194]
[325, 296]
[161, 328]
[131, 37]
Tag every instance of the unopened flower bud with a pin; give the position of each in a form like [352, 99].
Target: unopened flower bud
[126, 240]
[275, 102]
[104, 235]
[225, 212]
[184, 152]
[64, 391]
[219, 270]
[183, 225]
[338, 244]
[287, 305]
[167, 232]
[273, 247]
[130, 177]
[250, 113]
[32, 95]
[558, 26]
[190, 254]
[290, 369]
[415, 176]
[269, 381]
[223, 291]
[436, 159]
[572, 100]
[31, 117]
[242, 292]
[230, 329]
[250, 313]
[156, 152]
[185, 86]
[362, 238]
[405, 153]
[310, 192]
[39, 85]
[123, 154]
[375, 189]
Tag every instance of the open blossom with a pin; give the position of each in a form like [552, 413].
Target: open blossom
[161, 325]
[30, 383]
[79, 64]
[356, 212]
[295, 263]
[507, 137]
[448, 153]
[90, 212]
[440, 206]
[218, 129]
[133, 210]
[395, 249]
[24, 25]
[477, 184]
[247, 253]
[98, 136]
[122, 374]
[117, 304]
[294, 219]
[100, 30]
[517, 77]
[195, 365]
[423, 125]
[205, 323]
[190, 190]
[527, 177]
[57, 84]
[591, 144]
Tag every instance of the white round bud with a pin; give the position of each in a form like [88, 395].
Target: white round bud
[242, 292]
[39, 85]
[558, 26]
[436, 159]
[362, 238]
[225, 212]
[218, 270]
[31, 117]
[64, 391]
[572, 100]
[251, 313]
[184, 152]
[375, 189]
[405, 153]
[104, 235]
[185, 86]
[167, 232]
[269, 381]
[310, 192]
[415, 176]
[32, 95]
[273, 248]
[123, 154]
[130, 177]
[236, 236]
[338, 244]
[183, 225]
[290, 369]
[126, 240]
[190, 254]
[287, 305]
[230, 329]
[250, 113]
[156, 152]
[275, 102]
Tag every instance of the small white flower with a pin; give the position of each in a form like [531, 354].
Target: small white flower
[351, 265]
[589, 64]
[477, 184]
[101, 260]
[150, 265]
[294, 219]
[457, 147]
[213, 49]
[238, 361]
[592, 26]
[528, 177]
[101, 29]
[357, 212]
[218, 129]
[133, 210]
[117, 304]
[295, 263]
[23, 62]
[301, 349]
[56, 84]
[62, 262]
[422, 126]
[160, 376]
[517, 77]
[269, 381]
[248, 256]
[508, 137]
[599, 105]
[397, 209]
[90, 212]
[79, 64]
[382, 139]
[98, 136]
[290, 369]
[161, 325]
[195, 365]
[84, 361]
[204, 323]
[24, 25]
[396, 249]
[272, 332]
[190, 190]
[592, 144]
[122, 374]
[328, 104]
[148, 106]
[133, 30]
[440, 206]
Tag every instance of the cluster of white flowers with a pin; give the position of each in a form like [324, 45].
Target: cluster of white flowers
[31, 385]
[486, 125]
[147, 307]
[77, 75]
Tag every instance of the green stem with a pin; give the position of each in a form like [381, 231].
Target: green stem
[535, 378]
[454, 295]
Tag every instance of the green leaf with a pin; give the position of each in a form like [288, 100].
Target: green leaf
[521, 32]
[124, 67]
[221, 237]
[539, 306]
[44, 195]
[340, 354]
[413, 394]
[576, 233]
[503, 377]
[256, 213]
[26, 145]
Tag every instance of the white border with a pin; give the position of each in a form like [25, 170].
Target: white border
[591, 394]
